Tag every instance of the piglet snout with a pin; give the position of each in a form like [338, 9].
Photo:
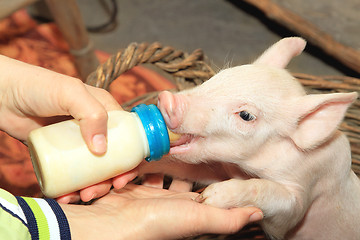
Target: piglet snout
[168, 105]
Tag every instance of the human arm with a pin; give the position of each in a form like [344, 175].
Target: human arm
[134, 212]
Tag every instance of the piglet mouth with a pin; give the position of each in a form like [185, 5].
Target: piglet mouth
[183, 144]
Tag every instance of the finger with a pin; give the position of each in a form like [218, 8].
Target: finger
[69, 198]
[155, 180]
[95, 191]
[178, 185]
[228, 221]
[93, 121]
[143, 192]
[121, 180]
[70, 96]
[92, 117]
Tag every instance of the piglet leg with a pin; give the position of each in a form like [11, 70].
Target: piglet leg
[279, 204]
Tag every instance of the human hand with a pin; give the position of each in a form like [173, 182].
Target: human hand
[140, 212]
[32, 97]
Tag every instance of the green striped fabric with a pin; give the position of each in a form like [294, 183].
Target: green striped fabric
[31, 218]
[41, 221]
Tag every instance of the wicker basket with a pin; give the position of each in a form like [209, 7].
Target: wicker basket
[189, 70]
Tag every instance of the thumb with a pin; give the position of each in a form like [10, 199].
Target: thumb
[91, 113]
[94, 131]
[93, 122]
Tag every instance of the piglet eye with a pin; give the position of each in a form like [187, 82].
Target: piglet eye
[246, 116]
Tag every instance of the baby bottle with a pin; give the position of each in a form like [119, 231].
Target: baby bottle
[64, 164]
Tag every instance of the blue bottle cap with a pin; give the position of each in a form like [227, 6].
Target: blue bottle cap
[155, 129]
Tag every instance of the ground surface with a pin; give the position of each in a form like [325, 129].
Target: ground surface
[228, 31]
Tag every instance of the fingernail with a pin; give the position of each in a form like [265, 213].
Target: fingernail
[119, 184]
[92, 197]
[256, 216]
[99, 143]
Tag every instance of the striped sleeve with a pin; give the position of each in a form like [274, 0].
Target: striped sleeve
[12, 219]
[31, 218]
[45, 219]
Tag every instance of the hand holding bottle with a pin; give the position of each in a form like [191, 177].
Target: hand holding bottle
[32, 97]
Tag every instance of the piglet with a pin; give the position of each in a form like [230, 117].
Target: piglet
[260, 140]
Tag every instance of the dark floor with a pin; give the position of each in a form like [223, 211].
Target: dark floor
[229, 32]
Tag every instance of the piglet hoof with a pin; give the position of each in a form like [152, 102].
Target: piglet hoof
[220, 195]
[200, 199]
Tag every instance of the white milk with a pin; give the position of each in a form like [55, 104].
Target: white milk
[64, 164]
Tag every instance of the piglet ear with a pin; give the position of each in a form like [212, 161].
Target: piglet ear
[280, 54]
[318, 116]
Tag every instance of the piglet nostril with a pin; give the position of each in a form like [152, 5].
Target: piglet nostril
[167, 105]
[166, 101]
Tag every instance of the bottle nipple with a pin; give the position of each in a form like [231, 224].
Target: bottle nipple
[173, 136]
